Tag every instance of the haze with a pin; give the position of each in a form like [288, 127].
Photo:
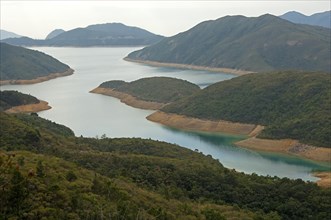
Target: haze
[37, 18]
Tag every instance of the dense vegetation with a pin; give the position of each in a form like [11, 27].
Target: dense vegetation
[94, 35]
[18, 63]
[9, 99]
[157, 89]
[319, 19]
[264, 43]
[59, 176]
[291, 104]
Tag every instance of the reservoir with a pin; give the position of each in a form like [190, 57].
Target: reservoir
[93, 115]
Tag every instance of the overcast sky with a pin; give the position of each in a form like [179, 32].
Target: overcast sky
[37, 18]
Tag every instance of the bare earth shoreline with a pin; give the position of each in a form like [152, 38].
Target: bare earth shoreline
[38, 79]
[192, 67]
[284, 146]
[41, 106]
[129, 99]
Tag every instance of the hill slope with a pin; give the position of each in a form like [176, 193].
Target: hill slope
[7, 34]
[109, 34]
[291, 104]
[155, 89]
[18, 63]
[10, 99]
[322, 19]
[257, 44]
[132, 177]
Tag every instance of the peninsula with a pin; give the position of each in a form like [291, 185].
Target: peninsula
[148, 93]
[17, 102]
[19, 65]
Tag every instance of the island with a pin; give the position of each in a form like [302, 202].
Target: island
[240, 45]
[148, 93]
[20, 65]
[17, 102]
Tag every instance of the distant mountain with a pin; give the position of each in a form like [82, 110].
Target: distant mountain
[111, 34]
[54, 33]
[263, 43]
[290, 104]
[7, 34]
[322, 19]
[18, 63]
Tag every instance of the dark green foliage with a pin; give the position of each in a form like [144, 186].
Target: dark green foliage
[71, 176]
[291, 104]
[40, 169]
[157, 89]
[264, 43]
[18, 63]
[113, 84]
[10, 99]
[154, 178]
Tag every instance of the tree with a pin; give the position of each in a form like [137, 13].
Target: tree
[40, 169]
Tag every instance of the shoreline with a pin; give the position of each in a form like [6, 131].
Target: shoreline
[41, 106]
[195, 124]
[288, 147]
[191, 67]
[128, 99]
[283, 146]
[38, 79]
[324, 179]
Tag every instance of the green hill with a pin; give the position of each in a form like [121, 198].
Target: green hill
[291, 104]
[108, 34]
[18, 63]
[263, 43]
[10, 99]
[156, 89]
[130, 177]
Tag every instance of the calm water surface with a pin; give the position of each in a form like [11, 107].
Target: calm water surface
[92, 115]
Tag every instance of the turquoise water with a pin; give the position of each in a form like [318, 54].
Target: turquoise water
[93, 115]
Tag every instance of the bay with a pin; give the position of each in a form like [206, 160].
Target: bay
[93, 115]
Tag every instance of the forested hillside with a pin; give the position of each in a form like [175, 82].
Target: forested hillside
[258, 44]
[18, 63]
[48, 172]
[10, 99]
[156, 89]
[290, 104]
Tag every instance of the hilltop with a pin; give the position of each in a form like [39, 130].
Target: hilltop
[148, 93]
[322, 19]
[20, 65]
[52, 173]
[264, 43]
[54, 33]
[109, 34]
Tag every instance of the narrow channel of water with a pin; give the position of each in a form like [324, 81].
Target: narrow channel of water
[92, 115]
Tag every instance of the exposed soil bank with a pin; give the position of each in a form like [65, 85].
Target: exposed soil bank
[37, 80]
[195, 124]
[285, 146]
[325, 179]
[129, 99]
[41, 106]
[187, 66]
[288, 146]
